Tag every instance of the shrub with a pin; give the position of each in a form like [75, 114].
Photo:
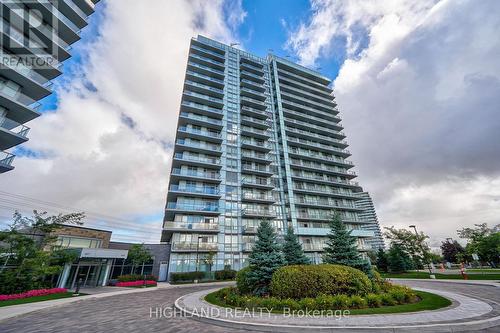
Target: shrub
[358, 302]
[300, 281]
[373, 300]
[135, 277]
[186, 276]
[225, 274]
[32, 293]
[242, 282]
[379, 284]
[387, 299]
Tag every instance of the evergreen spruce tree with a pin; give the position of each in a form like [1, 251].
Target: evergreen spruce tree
[265, 258]
[398, 261]
[341, 247]
[381, 260]
[292, 250]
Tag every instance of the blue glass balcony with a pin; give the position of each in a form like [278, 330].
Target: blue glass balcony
[12, 133]
[200, 134]
[206, 176]
[201, 208]
[202, 190]
[6, 160]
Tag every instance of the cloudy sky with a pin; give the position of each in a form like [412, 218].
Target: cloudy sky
[418, 86]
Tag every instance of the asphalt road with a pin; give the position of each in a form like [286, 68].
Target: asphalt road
[144, 312]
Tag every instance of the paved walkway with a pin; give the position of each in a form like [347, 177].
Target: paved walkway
[150, 310]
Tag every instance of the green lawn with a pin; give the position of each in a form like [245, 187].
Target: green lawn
[428, 301]
[37, 299]
[484, 270]
[424, 275]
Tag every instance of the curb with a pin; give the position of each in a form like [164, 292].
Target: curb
[266, 327]
[469, 282]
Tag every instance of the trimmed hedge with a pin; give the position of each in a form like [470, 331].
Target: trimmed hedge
[186, 276]
[303, 281]
[398, 295]
[135, 277]
[225, 274]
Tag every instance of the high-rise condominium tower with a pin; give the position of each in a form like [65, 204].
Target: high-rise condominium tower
[370, 216]
[36, 39]
[257, 138]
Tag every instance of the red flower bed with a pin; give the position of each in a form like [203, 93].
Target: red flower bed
[136, 283]
[33, 293]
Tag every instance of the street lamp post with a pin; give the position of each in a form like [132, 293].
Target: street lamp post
[198, 253]
[423, 251]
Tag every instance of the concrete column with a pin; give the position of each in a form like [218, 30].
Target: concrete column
[64, 276]
[107, 272]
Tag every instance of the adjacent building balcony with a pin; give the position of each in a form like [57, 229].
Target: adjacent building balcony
[293, 103]
[193, 227]
[21, 107]
[204, 89]
[307, 88]
[254, 122]
[195, 119]
[325, 203]
[325, 158]
[245, 74]
[205, 79]
[249, 229]
[201, 147]
[255, 132]
[314, 166]
[259, 71]
[201, 108]
[205, 61]
[204, 209]
[320, 121]
[325, 179]
[310, 83]
[206, 70]
[265, 183]
[202, 191]
[253, 94]
[308, 247]
[323, 191]
[304, 94]
[253, 103]
[194, 247]
[257, 145]
[208, 53]
[252, 85]
[262, 114]
[203, 99]
[199, 134]
[325, 230]
[315, 136]
[258, 157]
[190, 174]
[180, 159]
[6, 160]
[12, 133]
[305, 126]
[257, 197]
[319, 146]
[264, 170]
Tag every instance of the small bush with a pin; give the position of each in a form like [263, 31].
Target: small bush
[301, 281]
[225, 274]
[387, 299]
[358, 302]
[242, 282]
[373, 300]
[186, 276]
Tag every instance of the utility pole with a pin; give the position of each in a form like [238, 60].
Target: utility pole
[422, 249]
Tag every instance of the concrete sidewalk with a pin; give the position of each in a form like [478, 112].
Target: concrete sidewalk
[93, 293]
[494, 283]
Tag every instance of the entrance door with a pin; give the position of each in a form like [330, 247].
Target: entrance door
[163, 272]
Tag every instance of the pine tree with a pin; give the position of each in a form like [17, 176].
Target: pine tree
[381, 260]
[398, 260]
[341, 247]
[265, 258]
[292, 250]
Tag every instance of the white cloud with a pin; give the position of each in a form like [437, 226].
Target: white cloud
[107, 149]
[419, 94]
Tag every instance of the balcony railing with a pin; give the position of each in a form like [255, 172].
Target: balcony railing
[188, 246]
[322, 190]
[264, 113]
[257, 196]
[311, 83]
[324, 157]
[321, 167]
[192, 144]
[325, 121]
[323, 129]
[324, 202]
[264, 169]
[201, 118]
[6, 158]
[260, 212]
[319, 145]
[221, 56]
[14, 127]
[195, 189]
[217, 63]
[205, 77]
[265, 145]
[256, 121]
[325, 179]
[199, 174]
[197, 159]
[199, 132]
[200, 106]
[193, 207]
[13, 63]
[307, 107]
[207, 68]
[204, 97]
[257, 181]
[313, 247]
[190, 226]
[255, 130]
[204, 86]
[315, 135]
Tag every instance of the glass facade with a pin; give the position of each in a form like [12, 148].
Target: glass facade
[257, 138]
